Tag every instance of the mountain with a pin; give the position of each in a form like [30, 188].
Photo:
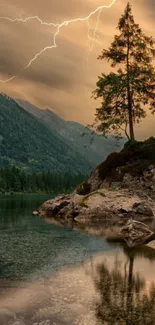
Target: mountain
[94, 148]
[27, 142]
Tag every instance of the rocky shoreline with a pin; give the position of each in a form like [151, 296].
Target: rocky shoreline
[122, 188]
[102, 212]
[98, 206]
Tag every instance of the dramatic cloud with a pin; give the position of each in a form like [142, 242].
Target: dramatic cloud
[62, 78]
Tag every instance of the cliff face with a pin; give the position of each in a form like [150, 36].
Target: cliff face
[121, 188]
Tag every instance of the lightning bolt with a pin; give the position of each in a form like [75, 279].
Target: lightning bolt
[58, 27]
[93, 39]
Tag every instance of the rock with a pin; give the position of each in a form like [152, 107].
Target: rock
[62, 209]
[20, 322]
[142, 208]
[54, 206]
[6, 316]
[135, 233]
[45, 322]
[97, 208]
[120, 188]
[35, 213]
[83, 189]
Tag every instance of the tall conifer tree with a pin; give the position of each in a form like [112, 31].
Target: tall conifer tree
[128, 92]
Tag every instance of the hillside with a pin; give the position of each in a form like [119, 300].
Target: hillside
[93, 148]
[27, 143]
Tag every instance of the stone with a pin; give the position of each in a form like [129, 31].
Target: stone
[35, 213]
[142, 208]
[18, 322]
[97, 209]
[6, 315]
[119, 189]
[135, 233]
[54, 206]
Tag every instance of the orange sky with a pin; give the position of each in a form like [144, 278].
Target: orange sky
[63, 78]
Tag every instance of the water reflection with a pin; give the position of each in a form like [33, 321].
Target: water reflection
[30, 248]
[44, 282]
[14, 208]
[110, 288]
[124, 296]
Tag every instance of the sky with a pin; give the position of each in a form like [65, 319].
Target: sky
[63, 78]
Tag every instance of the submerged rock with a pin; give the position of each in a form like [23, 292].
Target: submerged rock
[136, 233]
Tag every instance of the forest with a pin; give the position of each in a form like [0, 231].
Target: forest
[14, 180]
[27, 143]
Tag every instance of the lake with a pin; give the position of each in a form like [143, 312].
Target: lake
[51, 275]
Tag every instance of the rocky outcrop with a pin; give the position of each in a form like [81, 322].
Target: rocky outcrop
[143, 185]
[99, 209]
[132, 168]
[120, 189]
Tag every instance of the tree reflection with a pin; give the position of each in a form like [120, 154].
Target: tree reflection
[123, 300]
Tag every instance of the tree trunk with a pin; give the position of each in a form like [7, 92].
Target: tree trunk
[131, 129]
[129, 98]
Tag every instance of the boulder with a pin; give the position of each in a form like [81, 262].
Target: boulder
[142, 208]
[136, 233]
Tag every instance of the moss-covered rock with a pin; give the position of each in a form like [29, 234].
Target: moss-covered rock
[133, 159]
[83, 188]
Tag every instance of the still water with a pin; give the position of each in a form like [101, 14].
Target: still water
[51, 275]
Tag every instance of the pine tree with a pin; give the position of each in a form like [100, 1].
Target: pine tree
[128, 92]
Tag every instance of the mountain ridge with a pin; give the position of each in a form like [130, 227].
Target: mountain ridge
[94, 148]
[27, 143]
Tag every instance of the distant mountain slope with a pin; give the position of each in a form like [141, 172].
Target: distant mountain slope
[28, 143]
[75, 135]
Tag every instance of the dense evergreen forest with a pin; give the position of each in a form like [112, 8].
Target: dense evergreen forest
[27, 143]
[13, 179]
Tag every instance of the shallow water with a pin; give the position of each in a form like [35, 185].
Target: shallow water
[51, 275]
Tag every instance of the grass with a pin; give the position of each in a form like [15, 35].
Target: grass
[83, 201]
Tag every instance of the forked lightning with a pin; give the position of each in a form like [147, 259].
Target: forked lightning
[58, 27]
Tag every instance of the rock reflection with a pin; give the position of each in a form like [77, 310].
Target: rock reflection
[123, 297]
